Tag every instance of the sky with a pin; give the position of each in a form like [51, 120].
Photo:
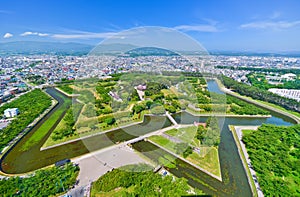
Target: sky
[231, 25]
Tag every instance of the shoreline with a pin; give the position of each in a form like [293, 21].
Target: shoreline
[12, 143]
[99, 133]
[255, 102]
[185, 160]
[237, 135]
[227, 115]
[135, 123]
[88, 136]
[92, 135]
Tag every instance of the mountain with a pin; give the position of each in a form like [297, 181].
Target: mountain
[33, 47]
[150, 51]
[112, 49]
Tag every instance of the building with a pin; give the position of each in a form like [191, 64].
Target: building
[289, 77]
[141, 87]
[11, 112]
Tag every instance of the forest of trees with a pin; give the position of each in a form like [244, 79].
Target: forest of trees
[209, 135]
[259, 80]
[275, 156]
[69, 121]
[260, 94]
[47, 182]
[276, 70]
[30, 105]
[139, 180]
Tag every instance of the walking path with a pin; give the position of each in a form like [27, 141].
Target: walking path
[171, 118]
[171, 138]
[239, 133]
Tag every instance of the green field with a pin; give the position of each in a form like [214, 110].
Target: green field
[46, 126]
[208, 158]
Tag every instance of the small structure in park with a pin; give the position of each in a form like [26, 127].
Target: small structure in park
[11, 112]
[141, 87]
[140, 90]
[115, 96]
[200, 123]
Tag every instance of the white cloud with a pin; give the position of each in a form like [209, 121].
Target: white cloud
[7, 35]
[275, 15]
[198, 28]
[29, 33]
[84, 35]
[270, 24]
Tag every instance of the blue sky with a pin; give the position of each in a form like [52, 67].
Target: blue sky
[239, 25]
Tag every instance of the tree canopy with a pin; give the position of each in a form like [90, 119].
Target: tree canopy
[139, 180]
[275, 156]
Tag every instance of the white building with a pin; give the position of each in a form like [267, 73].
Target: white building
[289, 76]
[288, 93]
[11, 112]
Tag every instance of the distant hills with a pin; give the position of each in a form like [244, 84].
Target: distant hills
[32, 47]
[71, 48]
[150, 51]
[251, 53]
[112, 49]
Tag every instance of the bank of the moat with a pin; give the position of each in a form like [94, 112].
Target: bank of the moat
[235, 182]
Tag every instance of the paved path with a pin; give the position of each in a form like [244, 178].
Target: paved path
[171, 138]
[96, 164]
[238, 130]
[140, 93]
[171, 118]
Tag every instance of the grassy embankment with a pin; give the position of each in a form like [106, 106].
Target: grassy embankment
[208, 158]
[47, 125]
[274, 107]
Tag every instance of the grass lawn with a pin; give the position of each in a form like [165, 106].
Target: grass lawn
[66, 88]
[84, 131]
[245, 131]
[44, 128]
[120, 191]
[278, 107]
[271, 105]
[186, 134]
[208, 159]
[163, 142]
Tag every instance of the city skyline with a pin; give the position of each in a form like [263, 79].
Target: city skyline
[217, 25]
